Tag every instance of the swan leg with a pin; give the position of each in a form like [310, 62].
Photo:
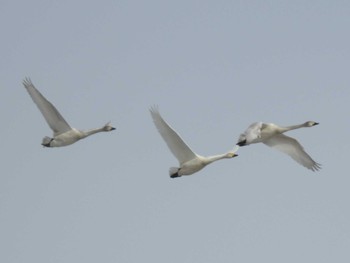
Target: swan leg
[242, 143]
[174, 172]
[46, 141]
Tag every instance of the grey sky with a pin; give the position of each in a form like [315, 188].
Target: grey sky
[213, 67]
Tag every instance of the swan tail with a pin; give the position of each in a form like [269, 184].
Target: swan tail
[242, 140]
[46, 141]
[174, 172]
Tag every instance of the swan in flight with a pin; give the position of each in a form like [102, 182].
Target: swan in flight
[63, 134]
[190, 162]
[272, 135]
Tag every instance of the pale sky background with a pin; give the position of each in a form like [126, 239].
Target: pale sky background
[213, 67]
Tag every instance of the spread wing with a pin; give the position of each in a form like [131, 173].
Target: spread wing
[294, 149]
[55, 120]
[176, 145]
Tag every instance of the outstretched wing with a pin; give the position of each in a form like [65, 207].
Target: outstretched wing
[176, 145]
[294, 149]
[55, 120]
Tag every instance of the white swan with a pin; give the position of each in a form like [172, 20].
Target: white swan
[272, 135]
[63, 134]
[190, 162]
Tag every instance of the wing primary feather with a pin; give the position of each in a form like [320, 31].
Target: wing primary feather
[294, 149]
[54, 119]
[175, 143]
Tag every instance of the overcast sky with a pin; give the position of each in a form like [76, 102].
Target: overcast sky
[213, 68]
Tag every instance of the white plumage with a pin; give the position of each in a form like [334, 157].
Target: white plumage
[272, 135]
[63, 133]
[189, 161]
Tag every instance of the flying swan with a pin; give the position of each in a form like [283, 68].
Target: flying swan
[272, 135]
[189, 161]
[63, 134]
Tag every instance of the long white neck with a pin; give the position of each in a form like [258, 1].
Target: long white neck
[292, 127]
[213, 158]
[106, 128]
[92, 131]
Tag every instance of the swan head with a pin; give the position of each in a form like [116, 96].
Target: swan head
[310, 123]
[108, 127]
[231, 155]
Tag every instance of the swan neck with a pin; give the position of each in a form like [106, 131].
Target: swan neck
[92, 131]
[214, 158]
[292, 127]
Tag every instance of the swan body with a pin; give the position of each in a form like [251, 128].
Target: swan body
[63, 134]
[189, 161]
[272, 135]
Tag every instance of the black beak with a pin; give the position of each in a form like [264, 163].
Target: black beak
[113, 128]
[316, 123]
